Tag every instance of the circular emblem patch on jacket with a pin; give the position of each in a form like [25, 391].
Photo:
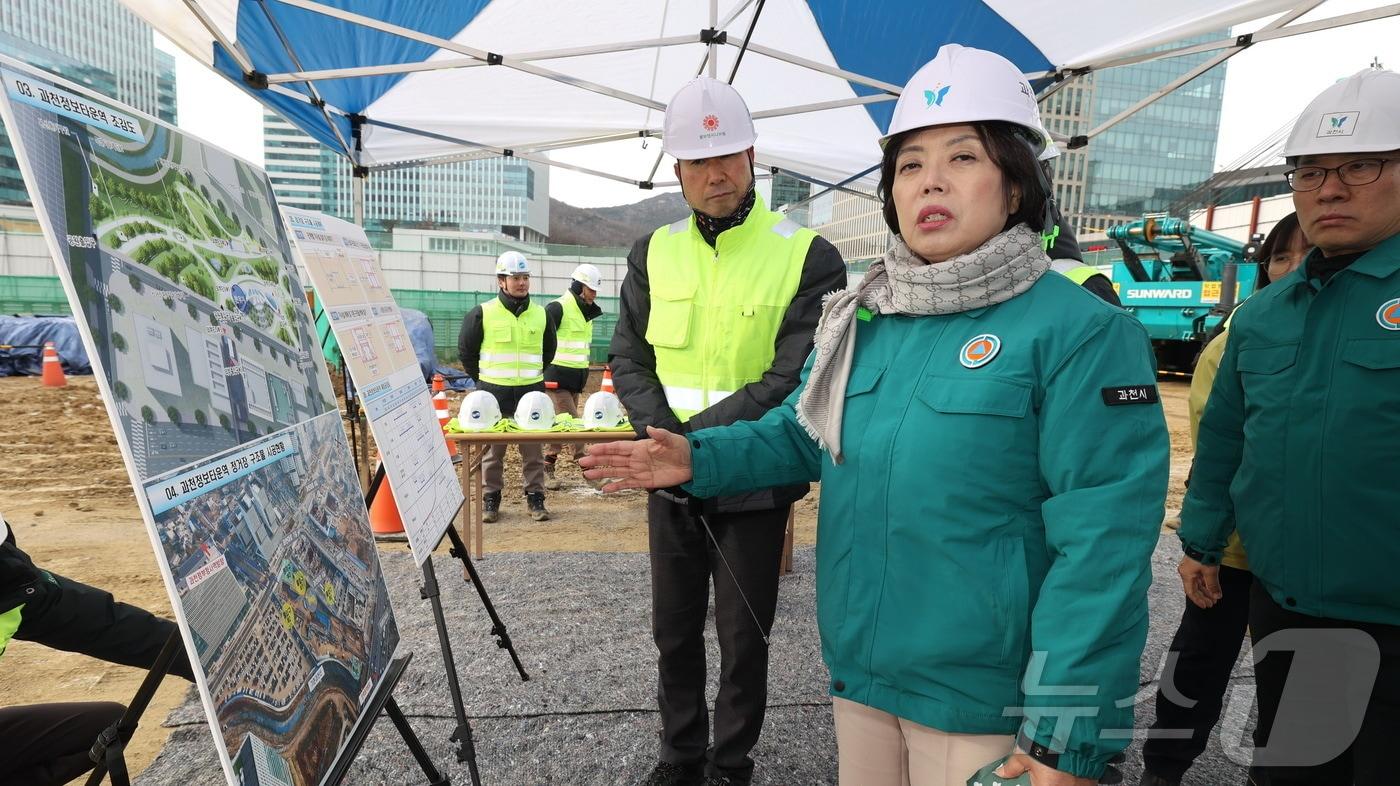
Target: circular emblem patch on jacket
[1389, 314]
[979, 351]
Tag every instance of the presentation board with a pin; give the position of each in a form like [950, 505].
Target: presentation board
[183, 285]
[374, 342]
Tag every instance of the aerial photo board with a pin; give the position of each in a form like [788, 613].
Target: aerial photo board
[374, 342]
[183, 283]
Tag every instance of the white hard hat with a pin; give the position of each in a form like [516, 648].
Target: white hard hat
[535, 412]
[1360, 114]
[1050, 153]
[602, 410]
[512, 263]
[588, 275]
[965, 85]
[707, 118]
[479, 411]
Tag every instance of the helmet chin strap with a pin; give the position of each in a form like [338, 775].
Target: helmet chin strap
[1049, 227]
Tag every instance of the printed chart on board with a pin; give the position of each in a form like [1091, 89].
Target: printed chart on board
[374, 342]
[184, 288]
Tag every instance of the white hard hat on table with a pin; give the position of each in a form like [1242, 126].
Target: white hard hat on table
[588, 275]
[602, 410]
[1359, 114]
[535, 412]
[479, 411]
[707, 118]
[512, 263]
[965, 85]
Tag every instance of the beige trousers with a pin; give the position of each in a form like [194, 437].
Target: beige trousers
[565, 401]
[875, 748]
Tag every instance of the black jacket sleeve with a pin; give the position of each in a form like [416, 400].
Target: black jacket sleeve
[632, 359]
[1101, 286]
[551, 336]
[469, 343]
[554, 314]
[823, 272]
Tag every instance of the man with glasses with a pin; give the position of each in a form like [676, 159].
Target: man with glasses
[1299, 448]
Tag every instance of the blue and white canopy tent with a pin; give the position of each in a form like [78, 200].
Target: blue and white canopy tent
[395, 83]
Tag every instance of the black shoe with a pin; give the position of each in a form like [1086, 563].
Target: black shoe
[490, 506]
[726, 780]
[667, 774]
[1152, 779]
[1111, 776]
[535, 500]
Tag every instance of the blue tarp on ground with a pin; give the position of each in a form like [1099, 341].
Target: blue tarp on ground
[420, 332]
[28, 334]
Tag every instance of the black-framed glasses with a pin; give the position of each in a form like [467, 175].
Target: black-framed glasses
[1360, 172]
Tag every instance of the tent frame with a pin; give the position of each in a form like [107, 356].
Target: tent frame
[715, 36]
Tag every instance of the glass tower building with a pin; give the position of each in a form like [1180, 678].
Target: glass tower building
[506, 195]
[96, 43]
[1157, 155]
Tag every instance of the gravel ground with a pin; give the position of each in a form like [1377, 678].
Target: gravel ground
[580, 622]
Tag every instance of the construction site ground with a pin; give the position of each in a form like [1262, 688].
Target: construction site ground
[68, 497]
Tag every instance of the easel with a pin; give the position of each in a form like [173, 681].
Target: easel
[108, 752]
[430, 591]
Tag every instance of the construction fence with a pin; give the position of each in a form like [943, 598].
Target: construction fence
[43, 295]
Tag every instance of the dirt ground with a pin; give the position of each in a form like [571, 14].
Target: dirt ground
[68, 498]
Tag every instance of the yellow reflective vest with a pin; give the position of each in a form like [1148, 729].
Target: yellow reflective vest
[512, 348]
[1074, 270]
[715, 312]
[575, 335]
[9, 623]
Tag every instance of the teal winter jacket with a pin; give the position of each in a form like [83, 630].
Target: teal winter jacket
[983, 551]
[1300, 441]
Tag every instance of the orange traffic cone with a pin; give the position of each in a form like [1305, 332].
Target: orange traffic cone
[607, 386]
[384, 516]
[443, 413]
[53, 367]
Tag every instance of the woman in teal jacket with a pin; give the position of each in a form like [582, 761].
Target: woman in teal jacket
[993, 460]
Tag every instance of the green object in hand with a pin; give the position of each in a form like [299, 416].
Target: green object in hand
[987, 776]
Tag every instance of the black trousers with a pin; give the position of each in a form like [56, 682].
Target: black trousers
[47, 744]
[683, 561]
[74, 617]
[1192, 690]
[1298, 710]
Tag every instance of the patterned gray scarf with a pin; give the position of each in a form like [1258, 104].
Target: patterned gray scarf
[902, 283]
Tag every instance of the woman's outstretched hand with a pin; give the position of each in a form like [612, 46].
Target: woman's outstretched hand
[659, 462]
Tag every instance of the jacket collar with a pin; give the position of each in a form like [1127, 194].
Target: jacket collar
[1379, 262]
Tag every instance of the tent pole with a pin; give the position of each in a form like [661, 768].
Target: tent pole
[357, 198]
[1244, 42]
[712, 59]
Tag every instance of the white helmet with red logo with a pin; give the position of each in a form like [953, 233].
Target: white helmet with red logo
[707, 118]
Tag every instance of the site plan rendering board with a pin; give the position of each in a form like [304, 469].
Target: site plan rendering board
[380, 359]
[183, 284]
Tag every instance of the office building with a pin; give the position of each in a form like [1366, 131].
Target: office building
[505, 195]
[96, 43]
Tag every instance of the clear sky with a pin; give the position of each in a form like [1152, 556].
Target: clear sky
[1266, 86]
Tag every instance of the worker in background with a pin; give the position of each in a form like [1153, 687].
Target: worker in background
[505, 345]
[1063, 250]
[1191, 693]
[567, 376]
[46, 744]
[716, 319]
[1298, 448]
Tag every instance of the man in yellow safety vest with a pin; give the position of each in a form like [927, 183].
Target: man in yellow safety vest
[566, 377]
[716, 320]
[505, 344]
